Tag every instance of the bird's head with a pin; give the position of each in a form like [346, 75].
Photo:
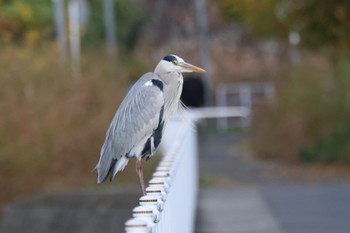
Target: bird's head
[173, 63]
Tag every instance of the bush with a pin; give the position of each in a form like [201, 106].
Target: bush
[51, 125]
[26, 21]
[310, 119]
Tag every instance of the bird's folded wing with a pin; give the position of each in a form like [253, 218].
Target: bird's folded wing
[136, 118]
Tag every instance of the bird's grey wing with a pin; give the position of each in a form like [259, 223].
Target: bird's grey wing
[137, 117]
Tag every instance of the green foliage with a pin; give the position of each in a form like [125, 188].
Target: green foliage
[31, 22]
[310, 120]
[128, 21]
[28, 21]
[258, 16]
[326, 24]
[333, 148]
[320, 23]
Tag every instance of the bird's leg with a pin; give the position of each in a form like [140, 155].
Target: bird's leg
[140, 173]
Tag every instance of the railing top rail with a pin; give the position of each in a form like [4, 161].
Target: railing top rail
[219, 112]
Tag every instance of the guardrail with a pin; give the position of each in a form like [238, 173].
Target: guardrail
[169, 205]
[244, 95]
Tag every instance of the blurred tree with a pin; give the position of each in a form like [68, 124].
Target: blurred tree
[313, 114]
[320, 23]
[258, 16]
[28, 21]
[129, 18]
[31, 22]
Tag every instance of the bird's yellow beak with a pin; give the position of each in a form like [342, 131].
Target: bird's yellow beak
[191, 68]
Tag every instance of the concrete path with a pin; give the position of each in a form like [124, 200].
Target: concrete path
[275, 209]
[243, 195]
[223, 210]
[312, 208]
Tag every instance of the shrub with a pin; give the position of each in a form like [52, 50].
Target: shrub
[309, 121]
[51, 125]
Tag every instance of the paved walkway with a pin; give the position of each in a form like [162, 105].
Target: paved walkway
[318, 208]
[241, 195]
[229, 211]
[275, 209]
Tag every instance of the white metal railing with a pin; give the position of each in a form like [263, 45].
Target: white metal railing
[219, 112]
[244, 95]
[170, 201]
[169, 205]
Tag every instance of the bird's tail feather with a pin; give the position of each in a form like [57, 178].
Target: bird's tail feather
[108, 165]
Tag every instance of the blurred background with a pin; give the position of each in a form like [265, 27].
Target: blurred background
[66, 65]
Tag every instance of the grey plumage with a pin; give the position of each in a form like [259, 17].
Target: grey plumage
[137, 126]
[127, 131]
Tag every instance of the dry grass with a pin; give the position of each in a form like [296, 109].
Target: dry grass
[51, 125]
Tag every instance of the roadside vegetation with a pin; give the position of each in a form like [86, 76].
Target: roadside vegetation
[310, 118]
[52, 125]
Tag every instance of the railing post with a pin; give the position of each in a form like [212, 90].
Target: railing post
[138, 225]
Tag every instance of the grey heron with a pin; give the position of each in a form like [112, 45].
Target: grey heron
[137, 127]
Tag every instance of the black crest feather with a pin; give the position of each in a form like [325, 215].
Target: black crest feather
[170, 58]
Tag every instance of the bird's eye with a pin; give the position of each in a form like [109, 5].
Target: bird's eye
[175, 62]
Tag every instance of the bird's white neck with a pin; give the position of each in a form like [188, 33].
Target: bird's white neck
[172, 90]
